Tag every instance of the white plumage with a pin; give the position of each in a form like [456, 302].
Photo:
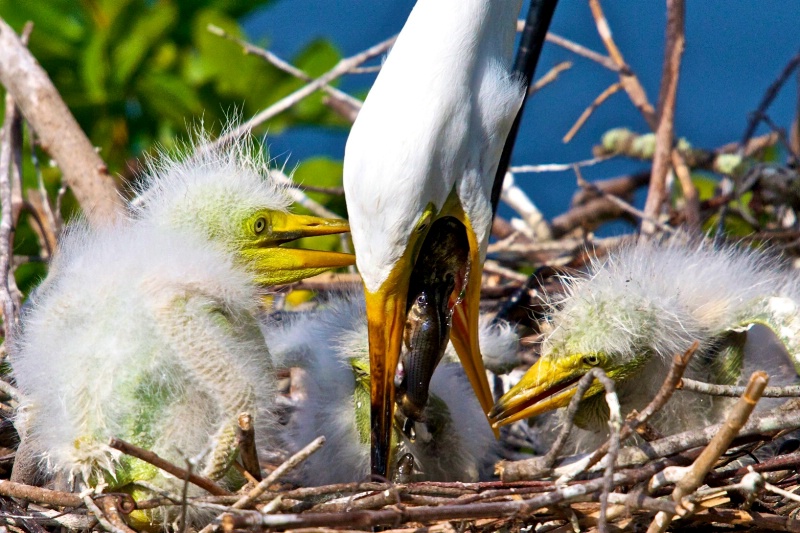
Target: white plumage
[426, 146]
[332, 399]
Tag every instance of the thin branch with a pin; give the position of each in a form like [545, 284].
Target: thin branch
[336, 94]
[733, 391]
[657, 193]
[246, 439]
[300, 197]
[101, 517]
[159, 462]
[549, 77]
[341, 68]
[691, 208]
[769, 96]
[275, 475]
[557, 167]
[581, 50]
[60, 135]
[696, 473]
[628, 79]
[597, 102]
[625, 206]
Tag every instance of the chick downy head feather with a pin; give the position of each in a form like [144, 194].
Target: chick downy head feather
[216, 192]
[654, 299]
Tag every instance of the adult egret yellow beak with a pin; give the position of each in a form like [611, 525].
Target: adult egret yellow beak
[426, 146]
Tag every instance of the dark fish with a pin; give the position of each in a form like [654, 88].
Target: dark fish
[404, 471]
[436, 281]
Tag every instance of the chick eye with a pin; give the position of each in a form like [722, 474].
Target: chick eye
[260, 224]
[591, 360]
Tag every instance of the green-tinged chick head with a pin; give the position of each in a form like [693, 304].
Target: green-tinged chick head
[224, 194]
[631, 313]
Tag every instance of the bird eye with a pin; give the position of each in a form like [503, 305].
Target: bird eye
[260, 224]
[591, 360]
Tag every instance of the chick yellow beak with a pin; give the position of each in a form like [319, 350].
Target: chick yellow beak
[548, 384]
[274, 264]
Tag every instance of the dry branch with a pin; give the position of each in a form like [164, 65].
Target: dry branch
[60, 135]
[665, 128]
[153, 458]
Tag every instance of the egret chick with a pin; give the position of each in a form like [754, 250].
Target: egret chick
[425, 147]
[147, 330]
[641, 305]
[454, 443]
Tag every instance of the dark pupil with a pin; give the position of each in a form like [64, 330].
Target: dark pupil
[259, 224]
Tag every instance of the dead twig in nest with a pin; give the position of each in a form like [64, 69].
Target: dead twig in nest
[180, 473]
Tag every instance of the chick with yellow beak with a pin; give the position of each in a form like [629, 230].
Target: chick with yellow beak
[646, 302]
[425, 147]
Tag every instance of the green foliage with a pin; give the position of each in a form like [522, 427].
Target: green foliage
[136, 72]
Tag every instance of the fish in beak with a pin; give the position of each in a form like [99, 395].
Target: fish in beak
[549, 384]
[437, 280]
[274, 264]
[450, 252]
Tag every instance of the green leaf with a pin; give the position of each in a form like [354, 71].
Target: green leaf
[146, 32]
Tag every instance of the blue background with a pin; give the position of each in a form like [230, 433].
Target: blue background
[734, 50]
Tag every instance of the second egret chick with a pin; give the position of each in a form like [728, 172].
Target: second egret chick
[453, 443]
[643, 304]
[147, 330]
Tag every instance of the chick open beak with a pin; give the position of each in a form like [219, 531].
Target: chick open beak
[275, 265]
[548, 384]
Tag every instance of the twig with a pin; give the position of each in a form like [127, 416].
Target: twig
[597, 102]
[557, 167]
[59, 133]
[695, 474]
[734, 391]
[39, 495]
[276, 474]
[691, 208]
[301, 197]
[679, 364]
[769, 96]
[581, 50]
[340, 96]
[101, 517]
[246, 439]
[342, 67]
[673, 52]
[549, 77]
[111, 510]
[159, 462]
[628, 79]
[625, 206]
[519, 201]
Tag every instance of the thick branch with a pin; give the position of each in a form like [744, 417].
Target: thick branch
[58, 131]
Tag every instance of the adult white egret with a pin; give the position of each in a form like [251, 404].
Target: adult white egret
[329, 346]
[147, 330]
[425, 147]
[646, 302]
